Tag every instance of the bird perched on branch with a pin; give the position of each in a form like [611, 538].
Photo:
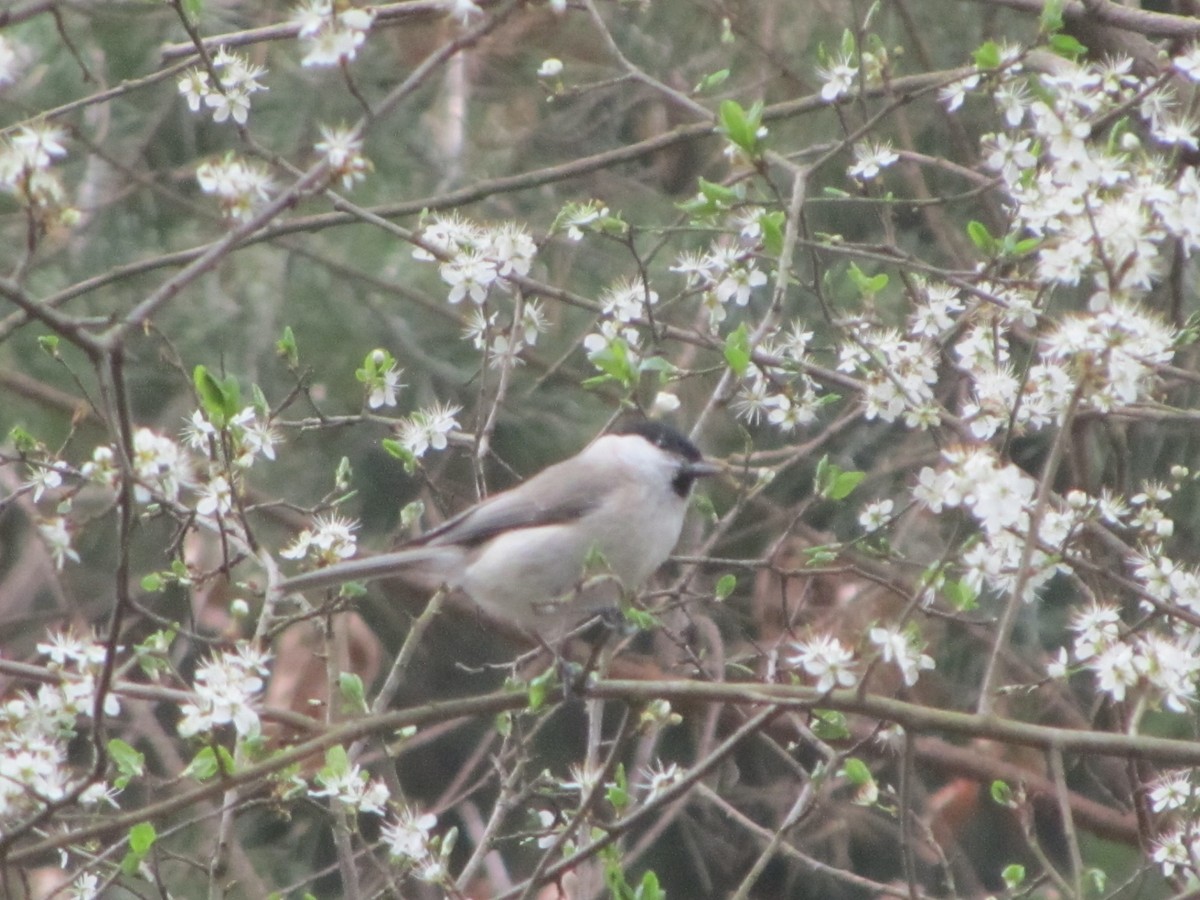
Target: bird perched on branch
[564, 544]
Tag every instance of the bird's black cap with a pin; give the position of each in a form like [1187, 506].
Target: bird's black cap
[660, 434]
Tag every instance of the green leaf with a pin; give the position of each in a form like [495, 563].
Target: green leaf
[261, 406]
[22, 440]
[981, 237]
[129, 762]
[772, 228]
[829, 725]
[820, 556]
[393, 447]
[1013, 875]
[833, 483]
[617, 791]
[503, 724]
[337, 761]
[1066, 46]
[657, 364]
[712, 80]
[142, 837]
[737, 350]
[208, 763]
[539, 688]
[649, 888]
[1051, 19]
[987, 56]
[221, 399]
[613, 360]
[49, 344]
[152, 583]
[287, 348]
[725, 585]
[856, 771]
[845, 483]
[353, 692]
[718, 194]
[741, 126]
[1002, 793]
[849, 45]
[640, 619]
[961, 595]
[733, 122]
[868, 285]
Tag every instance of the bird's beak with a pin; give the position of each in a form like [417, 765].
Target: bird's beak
[702, 468]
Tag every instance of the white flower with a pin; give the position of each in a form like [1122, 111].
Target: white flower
[342, 150]
[1188, 62]
[1174, 849]
[193, 85]
[954, 94]
[900, 648]
[838, 78]
[738, 283]
[828, 660]
[659, 778]
[550, 68]
[329, 540]
[44, 478]
[330, 39]
[407, 838]
[215, 498]
[57, 536]
[383, 386]
[1115, 670]
[1172, 791]
[876, 514]
[429, 428]
[469, 274]
[870, 158]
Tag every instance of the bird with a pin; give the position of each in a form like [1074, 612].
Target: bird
[554, 550]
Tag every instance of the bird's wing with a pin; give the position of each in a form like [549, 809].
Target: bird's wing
[517, 508]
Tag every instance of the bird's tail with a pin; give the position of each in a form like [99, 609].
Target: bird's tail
[368, 568]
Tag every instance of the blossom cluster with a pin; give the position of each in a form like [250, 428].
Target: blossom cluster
[1001, 498]
[229, 96]
[36, 728]
[834, 665]
[342, 149]
[472, 257]
[240, 185]
[413, 848]
[350, 785]
[27, 172]
[1164, 668]
[330, 539]
[329, 37]
[225, 689]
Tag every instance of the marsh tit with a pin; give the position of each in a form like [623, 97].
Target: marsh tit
[566, 543]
